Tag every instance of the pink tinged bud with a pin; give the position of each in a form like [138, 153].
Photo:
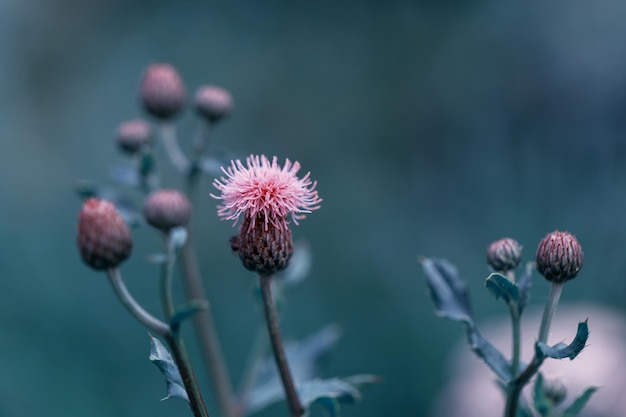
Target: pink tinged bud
[104, 240]
[167, 209]
[263, 250]
[504, 254]
[134, 135]
[162, 91]
[213, 103]
[559, 257]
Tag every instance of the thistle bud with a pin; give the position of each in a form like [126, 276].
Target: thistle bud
[504, 254]
[134, 135]
[559, 257]
[104, 240]
[167, 209]
[263, 247]
[213, 103]
[162, 91]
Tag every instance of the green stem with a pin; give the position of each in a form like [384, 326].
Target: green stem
[271, 317]
[553, 300]
[196, 402]
[147, 319]
[206, 333]
[167, 275]
[517, 385]
[515, 326]
[172, 148]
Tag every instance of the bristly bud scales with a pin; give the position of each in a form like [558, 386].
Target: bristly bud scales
[213, 103]
[559, 257]
[104, 240]
[167, 209]
[162, 91]
[504, 254]
[134, 135]
[265, 250]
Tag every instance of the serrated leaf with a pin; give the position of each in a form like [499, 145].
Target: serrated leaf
[305, 359]
[447, 290]
[524, 283]
[501, 287]
[492, 357]
[579, 403]
[540, 401]
[561, 350]
[177, 237]
[163, 360]
[187, 310]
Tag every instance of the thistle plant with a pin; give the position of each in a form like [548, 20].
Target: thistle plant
[263, 199]
[559, 258]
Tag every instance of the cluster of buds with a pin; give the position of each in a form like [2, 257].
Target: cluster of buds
[559, 256]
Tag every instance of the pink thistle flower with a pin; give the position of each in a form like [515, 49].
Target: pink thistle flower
[262, 189]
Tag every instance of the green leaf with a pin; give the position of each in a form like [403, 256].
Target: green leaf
[524, 283]
[305, 359]
[492, 357]
[185, 311]
[447, 290]
[579, 403]
[163, 360]
[542, 403]
[501, 287]
[561, 350]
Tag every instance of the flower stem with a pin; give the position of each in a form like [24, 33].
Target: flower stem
[517, 385]
[206, 333]
[271, 317]
[172, 148]
[196, 402]
[515, 326]
[167, 274]
[147, 319]
[553, 300]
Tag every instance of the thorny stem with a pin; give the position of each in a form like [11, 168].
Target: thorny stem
[271, 317]
[206, 333]
[517, 385]
[196, 402]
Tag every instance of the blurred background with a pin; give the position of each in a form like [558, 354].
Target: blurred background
[432, 128]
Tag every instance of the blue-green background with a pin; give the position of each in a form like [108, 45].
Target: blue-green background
[432, 128]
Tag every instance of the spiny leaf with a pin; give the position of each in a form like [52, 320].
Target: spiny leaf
[501, 287]
[163, 360]
[580, 402]
[561, 350]
[489, 354]
[447, 290]
[524, 283]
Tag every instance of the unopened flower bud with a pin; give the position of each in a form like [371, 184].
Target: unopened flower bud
[263, 247]
[213, 103]
[134, 135]
[167, 209]
[559, 257]
[162, 91]
[104, 240]
[554, 389]
[504, 254]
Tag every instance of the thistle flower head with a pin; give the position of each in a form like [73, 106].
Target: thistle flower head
[504, 254]
[262, 189]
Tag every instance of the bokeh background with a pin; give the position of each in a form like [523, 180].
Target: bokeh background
[432, 127]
